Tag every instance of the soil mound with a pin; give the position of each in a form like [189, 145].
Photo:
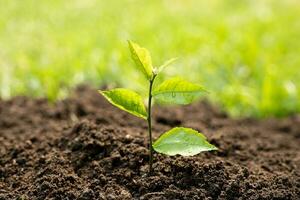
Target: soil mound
[83, 148]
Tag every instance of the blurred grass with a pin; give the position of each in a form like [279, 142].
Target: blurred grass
[245, 52]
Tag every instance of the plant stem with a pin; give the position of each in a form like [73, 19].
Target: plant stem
[150, 125]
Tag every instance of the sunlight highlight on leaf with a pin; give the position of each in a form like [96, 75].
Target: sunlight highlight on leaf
[177, 91]
[126, 100]
[142, 59]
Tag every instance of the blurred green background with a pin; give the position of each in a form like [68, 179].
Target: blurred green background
[246, 53]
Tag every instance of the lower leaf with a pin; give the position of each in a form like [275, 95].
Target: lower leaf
[182, 141]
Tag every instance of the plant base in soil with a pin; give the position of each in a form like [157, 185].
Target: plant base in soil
[83, 148]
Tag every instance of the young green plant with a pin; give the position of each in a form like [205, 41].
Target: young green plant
[179, 140]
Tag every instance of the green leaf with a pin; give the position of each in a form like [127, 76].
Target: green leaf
[142, 59]
[126, 100]
[182, 141]
[167, 63]
[177, 91]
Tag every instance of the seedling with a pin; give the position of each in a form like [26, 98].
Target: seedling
[177, 141]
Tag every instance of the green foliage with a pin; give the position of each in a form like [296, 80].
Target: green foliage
[182, 141]
[162, 67]
[142, 59]
[177, 91]
[247, 52]
[126, 100]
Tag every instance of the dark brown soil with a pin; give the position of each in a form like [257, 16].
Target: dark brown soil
[83, 148]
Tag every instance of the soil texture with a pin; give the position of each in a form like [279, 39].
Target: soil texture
[83, 148]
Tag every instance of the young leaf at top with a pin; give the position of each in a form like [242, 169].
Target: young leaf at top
[182, 141]
[167, 63]
[126, 100]
[142, 59]
[177, 91]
